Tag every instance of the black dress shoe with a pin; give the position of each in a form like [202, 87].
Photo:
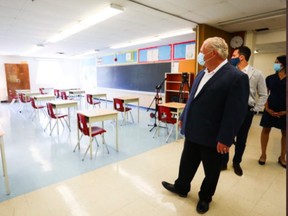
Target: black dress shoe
[237, 169]
[282, 164]
[171, 188]
[223, 167]
[261, 162]
[202, 207]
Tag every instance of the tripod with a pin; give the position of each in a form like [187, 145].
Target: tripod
[157, 99]
[182, 90]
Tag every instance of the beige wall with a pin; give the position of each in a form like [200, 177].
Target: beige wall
[264, 62]
[71, 76]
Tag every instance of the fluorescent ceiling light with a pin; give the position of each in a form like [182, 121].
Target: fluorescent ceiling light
[176, 33]
[153, 39]
[90, 52]
[100, 16]
[136, 42]
[35, 48]
[255, 17]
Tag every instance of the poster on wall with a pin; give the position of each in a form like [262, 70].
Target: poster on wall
[152, 55]
[184, 50]
[190, 50]
[128, 56]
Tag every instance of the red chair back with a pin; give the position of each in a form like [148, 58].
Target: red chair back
[57, 93]
[118, 104]
[33, 103]
[51, 111]
[82, 124]
[42, 91]
[24, 99]
[64, 95]
[89, 98]
[165, 115]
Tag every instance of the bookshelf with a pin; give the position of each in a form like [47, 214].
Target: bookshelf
[174, 83]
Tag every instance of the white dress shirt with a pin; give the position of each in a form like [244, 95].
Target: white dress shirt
[208, 75]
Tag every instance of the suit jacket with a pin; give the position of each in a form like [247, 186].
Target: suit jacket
[258, 91]
[218, 110]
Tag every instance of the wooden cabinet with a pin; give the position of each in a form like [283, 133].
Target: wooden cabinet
[177, 86]
[17, 77]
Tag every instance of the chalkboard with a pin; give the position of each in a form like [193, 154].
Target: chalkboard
[140, 77]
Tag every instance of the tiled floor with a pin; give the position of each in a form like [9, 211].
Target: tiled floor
[47, 178]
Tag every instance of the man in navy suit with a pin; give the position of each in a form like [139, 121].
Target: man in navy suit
[214, 112]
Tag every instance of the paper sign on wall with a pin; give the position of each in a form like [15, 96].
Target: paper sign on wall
[152, 55]
[190, 51]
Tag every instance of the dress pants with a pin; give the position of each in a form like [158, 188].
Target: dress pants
[240, 140]
[192, 155]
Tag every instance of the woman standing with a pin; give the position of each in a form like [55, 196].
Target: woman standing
[275, 109]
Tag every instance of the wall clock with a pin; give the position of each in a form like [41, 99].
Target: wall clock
[236, 41]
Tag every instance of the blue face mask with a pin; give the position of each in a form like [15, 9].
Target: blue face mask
[277, 67]
[235, 61]
[200, 59]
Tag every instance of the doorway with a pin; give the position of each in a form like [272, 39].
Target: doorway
[17, 77]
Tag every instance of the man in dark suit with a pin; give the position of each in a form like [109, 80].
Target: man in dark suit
[213, 114]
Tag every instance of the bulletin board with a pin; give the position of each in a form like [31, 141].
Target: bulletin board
[184, 50]
[155, 54]
[119, 58]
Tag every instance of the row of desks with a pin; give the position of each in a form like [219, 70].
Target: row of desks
[127, 100]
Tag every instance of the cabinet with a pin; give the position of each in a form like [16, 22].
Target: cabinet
[177, 86]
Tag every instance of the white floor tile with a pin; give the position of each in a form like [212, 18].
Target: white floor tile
[130, 183]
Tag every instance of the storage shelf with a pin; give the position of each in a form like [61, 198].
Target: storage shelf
[175, 89]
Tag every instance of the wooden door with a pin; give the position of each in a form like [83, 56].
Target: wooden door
[17, 77]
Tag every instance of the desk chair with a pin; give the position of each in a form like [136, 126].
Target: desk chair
[35, 108]
[119, 106]
[165, 116]
[95, 130]
[57, 93]
[12, 96]
[56, 116]
[64, 96]
[41, 90]
[24, 100]
[91, 101]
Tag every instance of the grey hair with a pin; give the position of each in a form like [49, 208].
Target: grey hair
[217, 44]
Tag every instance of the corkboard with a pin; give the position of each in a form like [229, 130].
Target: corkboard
[187, 66]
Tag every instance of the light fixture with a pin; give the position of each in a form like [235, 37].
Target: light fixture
[98, 17]
[136, 42]
[35, 48]
[255, 17]
[153, 39]
[176, 33]
[86, 53]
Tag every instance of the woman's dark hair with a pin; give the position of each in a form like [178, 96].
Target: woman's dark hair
[282, 60]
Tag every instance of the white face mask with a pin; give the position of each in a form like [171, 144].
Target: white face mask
[200, 58]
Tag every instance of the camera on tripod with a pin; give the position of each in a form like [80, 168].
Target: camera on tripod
[184, 85]
[184, 77]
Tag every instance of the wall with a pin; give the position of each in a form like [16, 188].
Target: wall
[68, 75]
[264, 62]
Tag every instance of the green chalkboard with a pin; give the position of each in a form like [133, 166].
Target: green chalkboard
[140, 77]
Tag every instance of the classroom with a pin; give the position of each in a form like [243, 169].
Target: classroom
[84, 84]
